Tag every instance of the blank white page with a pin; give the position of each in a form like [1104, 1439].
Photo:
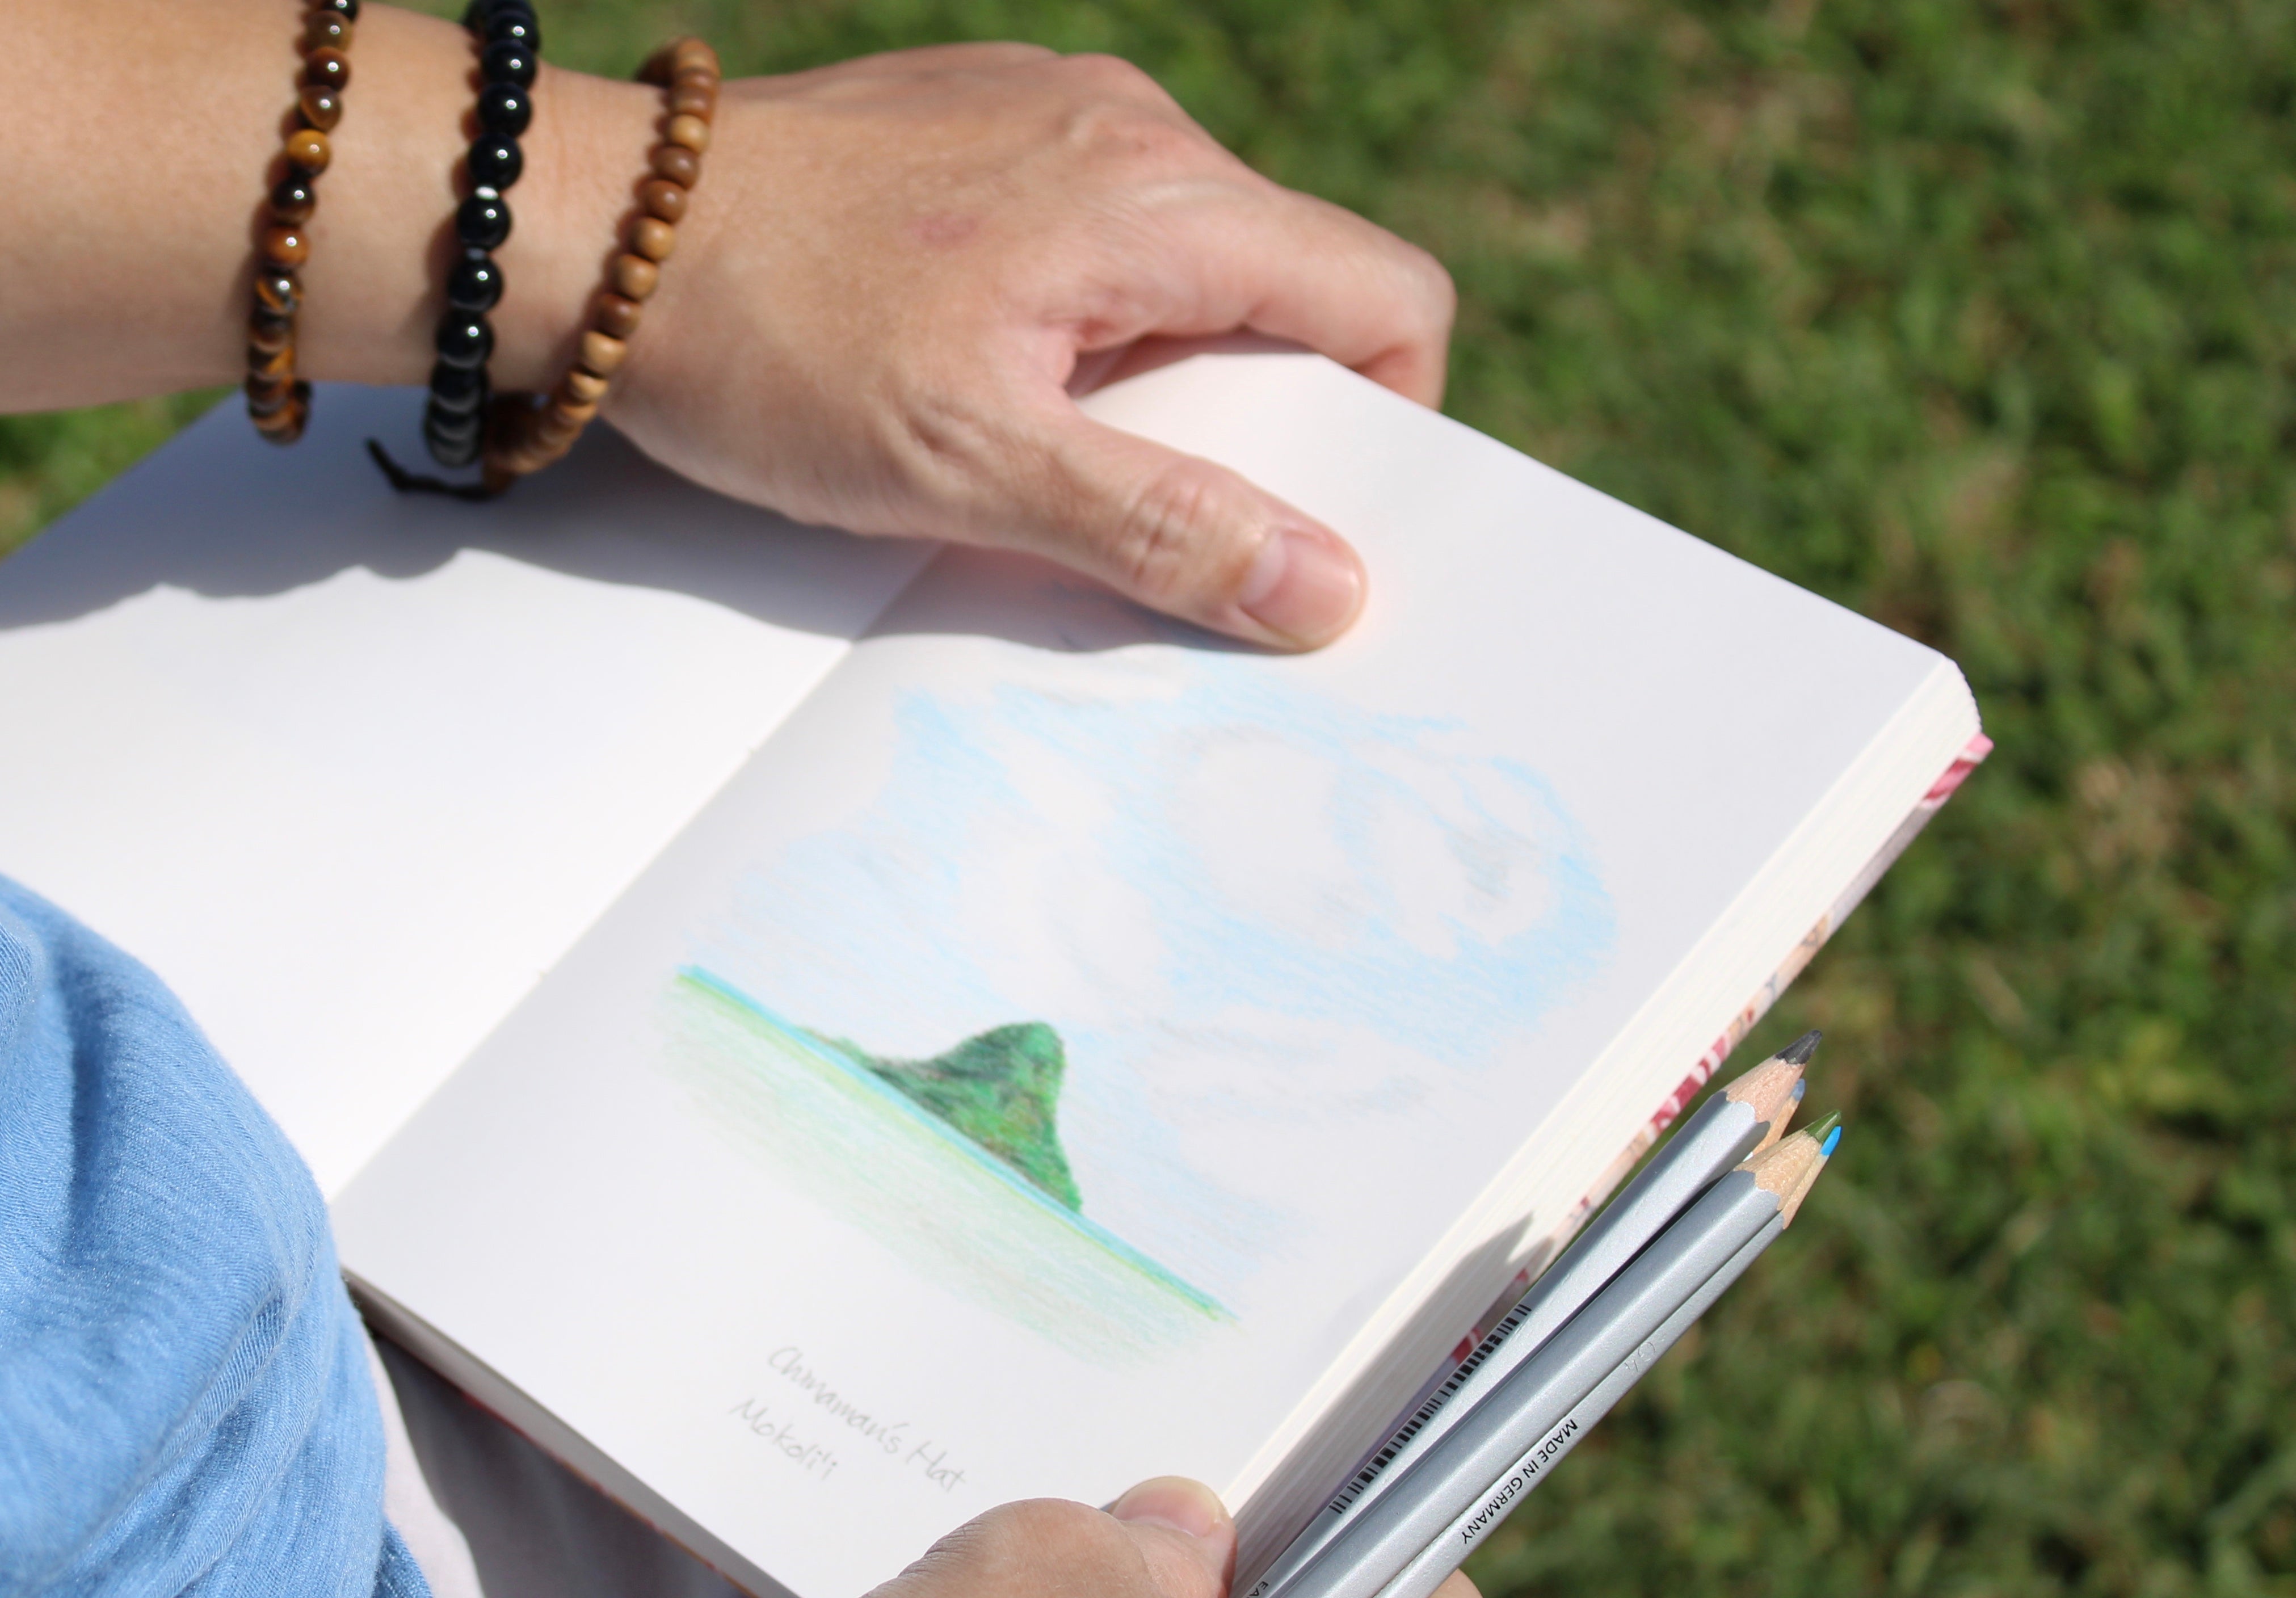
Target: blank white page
[352, 769]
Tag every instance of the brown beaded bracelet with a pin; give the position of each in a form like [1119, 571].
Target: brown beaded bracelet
[526, 432]
[277, 402]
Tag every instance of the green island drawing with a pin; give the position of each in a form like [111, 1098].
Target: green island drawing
[1000, 1089]
[951, 1162]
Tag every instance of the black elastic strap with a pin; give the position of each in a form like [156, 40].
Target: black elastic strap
[407, 482]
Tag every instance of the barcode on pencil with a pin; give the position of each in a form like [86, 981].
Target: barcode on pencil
[1410, 1429]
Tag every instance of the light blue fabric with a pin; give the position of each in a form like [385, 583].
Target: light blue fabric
[184, 1403]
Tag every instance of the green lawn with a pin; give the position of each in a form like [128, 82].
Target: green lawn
[1982, 319]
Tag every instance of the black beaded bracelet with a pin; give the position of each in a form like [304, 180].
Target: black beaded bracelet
[510, 46]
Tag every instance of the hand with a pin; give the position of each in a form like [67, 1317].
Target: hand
[1165, 1539]
[892, 269]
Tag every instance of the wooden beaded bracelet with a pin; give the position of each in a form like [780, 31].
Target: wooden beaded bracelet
[526, 432]
[278, 403]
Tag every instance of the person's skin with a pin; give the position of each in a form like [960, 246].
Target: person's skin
[1165, 1539]
[889, 275]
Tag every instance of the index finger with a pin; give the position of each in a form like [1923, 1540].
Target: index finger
[1263, 258]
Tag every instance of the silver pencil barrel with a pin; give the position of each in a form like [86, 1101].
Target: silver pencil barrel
[1453, 1476]
[1725, 1129]
[1424, 1574]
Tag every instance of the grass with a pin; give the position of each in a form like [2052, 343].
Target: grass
[1980, 318]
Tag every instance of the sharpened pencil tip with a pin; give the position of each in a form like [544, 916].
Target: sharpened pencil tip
[1833, 1140]
[1799, 1088]
[1800, 1049]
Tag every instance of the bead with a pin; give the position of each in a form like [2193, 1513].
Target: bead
[293, 199]
[652, 238]
[465, 338]
[327, 29]
[457, 388]
[266, 396]
[268, 335]
[327, 67]
[516, 25]
[278, 293]
[616, 317]
[287, 426]
[321, 108]
[441, 423]
[505, 109]
[634, 277]
[460, 427]
[663, 199]
[676, 163]
[308, 150]
[583, 388]
[452, 451]
[692, 132]
[482, 222]
[677, 55]
[286, 246]
[346, 9]
[506, 61]
[475, 284]
[689, 101]
[495, 162]
[602, 354]
[272, 365]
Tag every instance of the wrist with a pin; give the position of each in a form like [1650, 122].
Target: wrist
[383, 239]
[586, 153]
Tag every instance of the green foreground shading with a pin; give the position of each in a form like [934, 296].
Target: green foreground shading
[1980, 319]
[860, 1142]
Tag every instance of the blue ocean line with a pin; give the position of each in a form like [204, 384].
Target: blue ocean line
[957, 1140]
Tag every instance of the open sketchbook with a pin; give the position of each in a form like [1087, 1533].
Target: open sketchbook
[833, 1036]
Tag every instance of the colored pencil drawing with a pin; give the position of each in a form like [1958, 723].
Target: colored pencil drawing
[1249, 926]
[954, 1163]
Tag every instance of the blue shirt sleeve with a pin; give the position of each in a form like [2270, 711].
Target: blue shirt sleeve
[184, 1403]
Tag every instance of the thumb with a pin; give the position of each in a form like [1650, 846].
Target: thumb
[1184, 1534]
[1184, 535]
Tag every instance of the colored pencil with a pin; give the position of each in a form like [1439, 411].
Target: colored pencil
[1746, 1116]
[1464, 1483]
[1424, 1574]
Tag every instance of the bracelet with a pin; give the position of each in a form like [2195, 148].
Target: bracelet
[524, 434]
[510, 42]
[278, 403]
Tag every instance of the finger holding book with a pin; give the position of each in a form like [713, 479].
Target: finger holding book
[1464, 1485]
[1745, 1118]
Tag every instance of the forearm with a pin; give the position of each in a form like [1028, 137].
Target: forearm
[144, 137]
